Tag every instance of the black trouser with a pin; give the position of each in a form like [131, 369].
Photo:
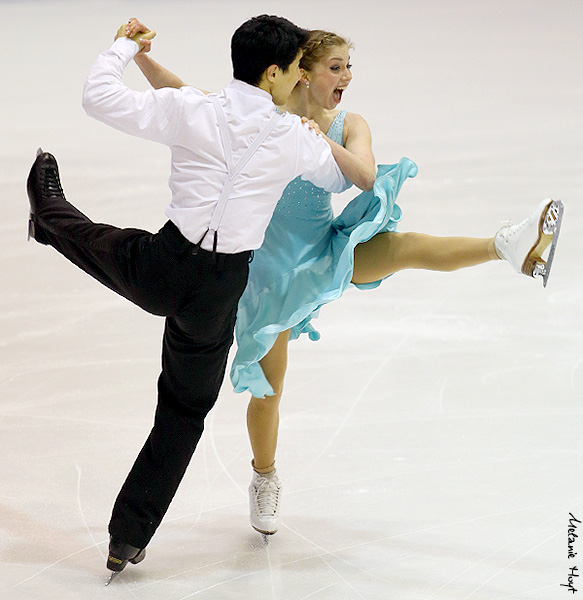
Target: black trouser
[198, 294]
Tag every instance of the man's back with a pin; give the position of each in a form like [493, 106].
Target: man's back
[186, 121]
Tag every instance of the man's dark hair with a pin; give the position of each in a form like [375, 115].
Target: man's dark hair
[264, 41]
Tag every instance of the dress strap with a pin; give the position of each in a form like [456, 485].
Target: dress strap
[336, 129]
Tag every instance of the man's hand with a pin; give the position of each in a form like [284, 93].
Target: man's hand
[138, 32]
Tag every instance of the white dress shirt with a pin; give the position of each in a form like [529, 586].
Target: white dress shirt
[185, 120]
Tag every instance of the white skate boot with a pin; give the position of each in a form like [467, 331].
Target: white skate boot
[264, 492]
[522, 245]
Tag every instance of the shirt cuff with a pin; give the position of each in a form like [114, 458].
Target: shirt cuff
[125, 48]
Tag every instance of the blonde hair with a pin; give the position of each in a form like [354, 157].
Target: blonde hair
[318, 45]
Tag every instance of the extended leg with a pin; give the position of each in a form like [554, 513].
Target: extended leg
[131, 262]
[522, 245]
[390, 252]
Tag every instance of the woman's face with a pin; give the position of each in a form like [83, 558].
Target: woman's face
[330, 77]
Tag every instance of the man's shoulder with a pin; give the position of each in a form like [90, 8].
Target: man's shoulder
[189, 91]
[293, 123]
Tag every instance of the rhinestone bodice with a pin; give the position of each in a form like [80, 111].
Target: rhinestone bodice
[302, 199]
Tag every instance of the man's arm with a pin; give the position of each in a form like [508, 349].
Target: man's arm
[153, 114]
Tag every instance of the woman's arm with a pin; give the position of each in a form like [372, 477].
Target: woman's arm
[356, 159]
[157, 75]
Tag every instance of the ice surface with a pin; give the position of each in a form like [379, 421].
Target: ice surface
[430, 444]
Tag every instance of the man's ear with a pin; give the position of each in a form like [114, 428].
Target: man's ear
[271, 73]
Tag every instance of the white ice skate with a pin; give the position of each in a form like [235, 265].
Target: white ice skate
[523, 245]
[264, 493]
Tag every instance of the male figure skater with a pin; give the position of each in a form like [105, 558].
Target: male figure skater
[232, 156]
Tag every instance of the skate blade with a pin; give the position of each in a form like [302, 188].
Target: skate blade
[265, 535]
[549, 228]
[113, 575]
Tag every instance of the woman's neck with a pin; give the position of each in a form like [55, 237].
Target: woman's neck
[299, 103]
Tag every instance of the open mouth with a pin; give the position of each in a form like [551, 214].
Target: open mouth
[337, 94]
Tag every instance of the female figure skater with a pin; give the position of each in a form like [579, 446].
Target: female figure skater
[308, 257]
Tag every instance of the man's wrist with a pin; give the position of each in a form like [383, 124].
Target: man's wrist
[126, 48]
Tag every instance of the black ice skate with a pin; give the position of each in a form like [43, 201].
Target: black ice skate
[43, 183]
[119, 556]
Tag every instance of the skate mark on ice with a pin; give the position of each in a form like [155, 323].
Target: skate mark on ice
[220, 460]
[187, 572]
[270, 567]
[576, 367]
[428, 470]
[354, 404]
[203, 452]
[437, 527]
[95, 543]
[48, 567]
[500, 571]
[82, 514]
[219, 584]
[526, 593]
[383, 365]
[315, 592]
[321, 553]
[472, 567]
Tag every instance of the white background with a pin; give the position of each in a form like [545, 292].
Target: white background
[430, 443]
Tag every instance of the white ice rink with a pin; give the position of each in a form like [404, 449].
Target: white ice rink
[431, 443]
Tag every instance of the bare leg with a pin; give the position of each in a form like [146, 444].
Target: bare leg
[390, 252]
[263, 413]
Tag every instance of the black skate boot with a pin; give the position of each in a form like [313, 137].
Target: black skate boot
[43, 183]
[119, 556]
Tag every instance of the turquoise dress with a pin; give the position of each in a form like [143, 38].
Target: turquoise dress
[306, 261]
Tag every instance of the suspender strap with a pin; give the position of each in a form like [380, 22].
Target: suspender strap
[223, 129]
[232, 170]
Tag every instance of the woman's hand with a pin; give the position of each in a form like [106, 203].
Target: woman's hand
[138, 32]
[312, 125]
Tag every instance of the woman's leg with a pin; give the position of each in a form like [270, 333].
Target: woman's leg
[390, 252]
[263, 413]
[263, 425]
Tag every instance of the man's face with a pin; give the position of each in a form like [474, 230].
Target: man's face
[286, 81]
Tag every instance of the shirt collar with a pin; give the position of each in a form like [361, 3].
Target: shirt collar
[247, 88]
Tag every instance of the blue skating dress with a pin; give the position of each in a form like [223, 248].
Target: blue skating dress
[306, 261]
